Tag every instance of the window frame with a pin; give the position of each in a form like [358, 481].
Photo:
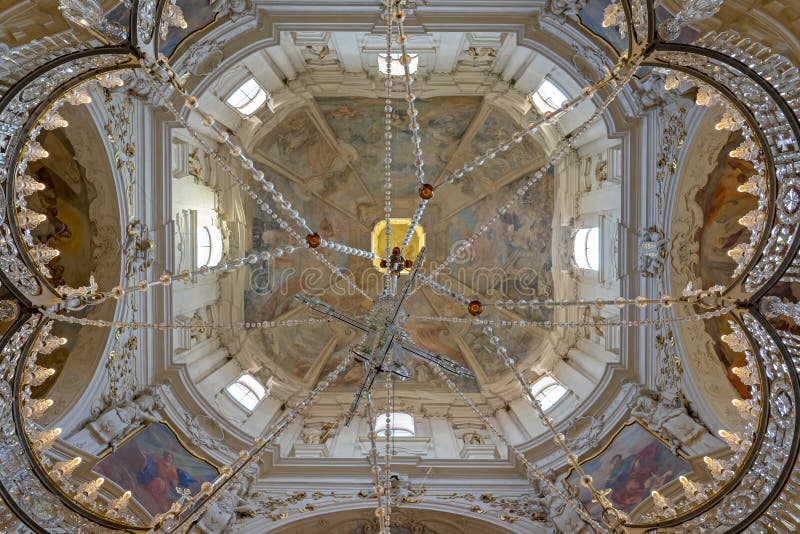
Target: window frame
[215, 245]
[544, 103]
[248, 387]
[253, 102]
[397, 68]
[542, 395]
[581, 247]
[400, 431]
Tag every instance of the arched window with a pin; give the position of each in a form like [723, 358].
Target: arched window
[398, 69]
[548, 97]
[587, 248]
[247, 391]
[209, 245]
[248, 97]
[550, 395]
[401, 425]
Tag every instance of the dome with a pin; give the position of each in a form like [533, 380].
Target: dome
[399, 266]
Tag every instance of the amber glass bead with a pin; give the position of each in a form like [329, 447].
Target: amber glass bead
[474, 307]
[313, 240]
[426, 192]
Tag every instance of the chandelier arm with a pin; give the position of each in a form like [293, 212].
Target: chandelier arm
[375, 467]
[575, 324]
[530, 469]
[134, 325]
[418, 212]
[411, 97]
[154, 71]
[387, 476]
[558, 437]
[416, 138]
[563, 147]
[92, 296]
[388, 110]
[516, 138]
[551, 117]
[614, 516]
[200, 503]
[151, 74]
[738, 282]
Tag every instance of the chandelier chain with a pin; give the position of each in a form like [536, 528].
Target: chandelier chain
[388, 113]
[208, 494]
[563, 147]
[531, 469]
[148, 66]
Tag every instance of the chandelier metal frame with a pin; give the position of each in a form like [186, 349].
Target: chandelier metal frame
[739, 81]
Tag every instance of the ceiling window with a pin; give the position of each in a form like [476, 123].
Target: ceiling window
[247, 391]
[209, 245]
[397, 67]
[587, 248]
[548, 97]
[401, 425]
[248, 97]
[550, 394]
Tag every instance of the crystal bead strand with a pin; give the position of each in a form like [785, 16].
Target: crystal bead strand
[505, 145]
[373, 459]
[222, 136]
[413, 113]
[515, 138]
[411, 97]
[387, 475]
[134, 325]
[209, 493]
[563, 147]
[166, 279]
[665, 301]
[573, 324]
[345, 249]
[531, 470]
[258, 175]
[558, 437]
[388, 109]
[415, 219]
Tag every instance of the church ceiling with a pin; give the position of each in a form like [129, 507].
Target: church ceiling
[325, 153]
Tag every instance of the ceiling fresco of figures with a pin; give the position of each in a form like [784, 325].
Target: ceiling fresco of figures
[324, 156]
[723, 205]
[82, 221]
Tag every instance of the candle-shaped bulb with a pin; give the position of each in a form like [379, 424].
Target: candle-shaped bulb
[63, 470]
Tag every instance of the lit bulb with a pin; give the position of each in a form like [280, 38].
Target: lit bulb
[63, 470]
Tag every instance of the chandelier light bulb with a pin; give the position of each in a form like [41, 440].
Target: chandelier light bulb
[63, 470]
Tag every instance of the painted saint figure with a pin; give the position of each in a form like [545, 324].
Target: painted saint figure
[159, 477]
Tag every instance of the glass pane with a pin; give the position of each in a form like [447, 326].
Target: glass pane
[548, 97]
[249, 401]
[247, 391]
[586, 248]
[400, 425]
[248, 97]
[593, 249]
[254, 385]
[550, 395]
[237, 391]
[397, 68]
[579, 248]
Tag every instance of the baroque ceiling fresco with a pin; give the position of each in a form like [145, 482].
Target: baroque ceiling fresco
[602, 337]
[324, 153]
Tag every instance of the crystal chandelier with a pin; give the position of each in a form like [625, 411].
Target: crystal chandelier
[760, 93]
